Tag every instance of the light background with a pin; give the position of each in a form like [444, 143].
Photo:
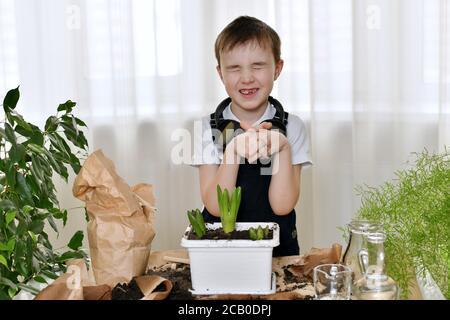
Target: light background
[368, 78]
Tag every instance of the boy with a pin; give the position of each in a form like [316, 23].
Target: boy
[248, 57]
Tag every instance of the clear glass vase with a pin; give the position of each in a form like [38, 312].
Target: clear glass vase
[375, 284]
[357, 230]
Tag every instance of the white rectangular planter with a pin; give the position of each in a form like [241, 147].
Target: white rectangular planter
[232, 266]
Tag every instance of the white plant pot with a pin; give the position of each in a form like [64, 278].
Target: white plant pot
[232, 266]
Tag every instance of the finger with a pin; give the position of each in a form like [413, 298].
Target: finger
[245, 125]
[252, 143]
[266, 125]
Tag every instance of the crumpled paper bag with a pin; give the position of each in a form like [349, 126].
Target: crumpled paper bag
[76, 285]
[121, 220]
[317, 257]
[67, 286]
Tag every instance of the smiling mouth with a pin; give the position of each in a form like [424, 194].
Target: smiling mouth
[248, 92]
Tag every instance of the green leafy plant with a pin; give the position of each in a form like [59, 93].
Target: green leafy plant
[29, 157]
[228, 207]
[415, 213]
[258, 233]
[198, 223]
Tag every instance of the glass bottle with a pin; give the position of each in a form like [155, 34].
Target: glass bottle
[356, 242]
[375, 283]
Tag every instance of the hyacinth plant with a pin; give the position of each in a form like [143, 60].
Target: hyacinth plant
[197, 222]
[258, 233]
[228, 207]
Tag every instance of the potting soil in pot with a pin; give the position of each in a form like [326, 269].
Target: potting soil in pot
[219, 234]
[290, 285]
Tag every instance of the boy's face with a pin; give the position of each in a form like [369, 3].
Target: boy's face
[248, 72]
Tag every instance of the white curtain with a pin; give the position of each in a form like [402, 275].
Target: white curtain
[369, 79]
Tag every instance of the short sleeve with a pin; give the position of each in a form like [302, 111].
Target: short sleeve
[299, 140]
[204, 150]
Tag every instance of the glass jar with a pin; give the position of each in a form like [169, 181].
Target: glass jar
[356, 242]
[375, 283]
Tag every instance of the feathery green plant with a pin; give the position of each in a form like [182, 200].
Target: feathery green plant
[415, 213]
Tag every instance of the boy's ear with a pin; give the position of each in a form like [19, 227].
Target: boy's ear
[219, 71]
[278, 68]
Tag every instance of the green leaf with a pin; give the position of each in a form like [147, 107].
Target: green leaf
[58, 214]
[12, 292]
[49, 274]
[10, 174]
[76, 241]
[40, 279]
[21, 228]
[35, 136]
[52, 223]
[226, 201]
[11, 99]
[252, 234]
[61, 145]
[7, 282]
[17, 153]
[73, 135]
[36, 168]
[17, 118]
[37, 149]
[69, 255]
[22, 267]
[67, 106]
[10, 216]
[3, 261]
[219, 199]
[36, 226]
[259, 233]
[80, 122]
[196, 223]
[7, 205]
[10, 135]
[28, 288]
[23, 189]
[51, 124]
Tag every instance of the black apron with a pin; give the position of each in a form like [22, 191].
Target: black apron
[255, 207]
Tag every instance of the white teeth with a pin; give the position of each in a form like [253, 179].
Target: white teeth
[248, 91]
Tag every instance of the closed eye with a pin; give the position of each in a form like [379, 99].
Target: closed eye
[259, 65]
[233, 68]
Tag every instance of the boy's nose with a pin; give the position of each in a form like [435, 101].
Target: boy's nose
[247, 77]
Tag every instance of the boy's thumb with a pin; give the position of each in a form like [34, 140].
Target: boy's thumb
[266, 125]
[245, 125]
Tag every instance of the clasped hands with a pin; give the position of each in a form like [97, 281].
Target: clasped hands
[258, 142]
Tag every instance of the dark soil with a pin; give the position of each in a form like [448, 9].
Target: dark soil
[127, 291]
[219, 234]
[290, 278]
[180, 276]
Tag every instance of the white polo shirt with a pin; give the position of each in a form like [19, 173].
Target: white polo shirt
[206, 152]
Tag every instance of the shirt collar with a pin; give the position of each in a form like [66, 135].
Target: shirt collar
[269, 113]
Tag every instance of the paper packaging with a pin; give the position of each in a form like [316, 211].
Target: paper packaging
[121, 220]
[76, 285]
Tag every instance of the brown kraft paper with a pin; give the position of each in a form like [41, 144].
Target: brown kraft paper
[121, 220]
